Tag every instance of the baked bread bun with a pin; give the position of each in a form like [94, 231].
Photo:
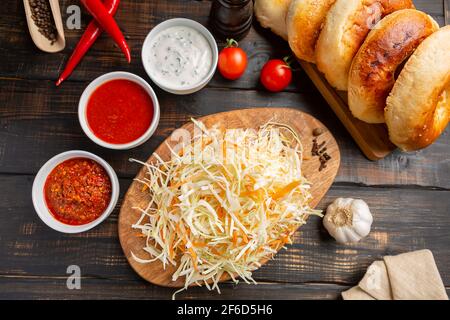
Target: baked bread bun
[304, 22]
[347, 24]
[388, 45]
[418, 107]
[272, 14]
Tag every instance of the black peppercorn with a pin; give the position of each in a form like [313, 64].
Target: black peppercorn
[43, 19]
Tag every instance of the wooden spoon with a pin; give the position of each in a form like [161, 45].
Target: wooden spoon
[39, 39]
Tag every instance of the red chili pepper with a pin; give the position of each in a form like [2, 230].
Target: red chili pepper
[107, 22]
[93, 31]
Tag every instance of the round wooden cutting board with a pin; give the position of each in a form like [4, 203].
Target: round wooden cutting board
[301, 122]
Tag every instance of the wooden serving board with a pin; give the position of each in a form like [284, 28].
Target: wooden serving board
[301, 122]
[373, 139]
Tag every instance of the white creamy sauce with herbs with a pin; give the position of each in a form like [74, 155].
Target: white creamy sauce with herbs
[180, 57]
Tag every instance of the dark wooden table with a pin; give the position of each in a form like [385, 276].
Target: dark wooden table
[408, 193]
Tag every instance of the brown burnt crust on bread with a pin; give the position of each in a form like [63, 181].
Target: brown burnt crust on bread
[304, 21]
[335, 55]
[371, 13]
[435, 121]
[373, 70]
[418, 107]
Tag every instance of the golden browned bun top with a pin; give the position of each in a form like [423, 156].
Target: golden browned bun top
[304, 22]
[347, 24]
[386, 47]
[418, 108]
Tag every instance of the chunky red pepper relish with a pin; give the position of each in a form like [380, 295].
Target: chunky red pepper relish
[78, 191]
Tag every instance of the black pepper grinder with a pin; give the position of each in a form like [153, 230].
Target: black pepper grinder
[231, 18]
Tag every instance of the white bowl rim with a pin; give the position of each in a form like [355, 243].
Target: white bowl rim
[117, 75]
[189, 23]
[38, 198]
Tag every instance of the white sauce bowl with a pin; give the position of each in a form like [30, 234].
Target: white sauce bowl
[118, 75]
[180, 22]
[40, 204]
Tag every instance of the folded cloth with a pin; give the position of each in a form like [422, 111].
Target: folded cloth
[408, 276]
[376, 281]
[415, 276]
[356, 293]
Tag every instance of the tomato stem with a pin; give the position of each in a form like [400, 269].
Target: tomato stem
[232, 43]
[288, 60]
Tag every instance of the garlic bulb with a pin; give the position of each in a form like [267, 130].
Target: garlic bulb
[348, 220]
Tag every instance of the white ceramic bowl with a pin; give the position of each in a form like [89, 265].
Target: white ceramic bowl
[146, 48]
[116, 76]
[38, 192]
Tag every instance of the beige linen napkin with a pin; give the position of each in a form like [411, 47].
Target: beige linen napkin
[408, 276]
[376, 282]
[356, 293]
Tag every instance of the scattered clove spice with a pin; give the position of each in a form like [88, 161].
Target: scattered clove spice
[319, 149]
[42, 16]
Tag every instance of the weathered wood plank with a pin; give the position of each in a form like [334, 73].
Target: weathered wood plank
[432, 7]
[404, 220]
[38, 121]
[33, 288]
[96, 288]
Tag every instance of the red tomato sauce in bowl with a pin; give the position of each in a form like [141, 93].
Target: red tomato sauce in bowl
[119, 111]
[77, 191]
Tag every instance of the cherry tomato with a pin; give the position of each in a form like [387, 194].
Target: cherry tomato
[232, 61]
[276, 75]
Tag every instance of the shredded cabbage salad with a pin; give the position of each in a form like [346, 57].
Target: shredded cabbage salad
[225, 203]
